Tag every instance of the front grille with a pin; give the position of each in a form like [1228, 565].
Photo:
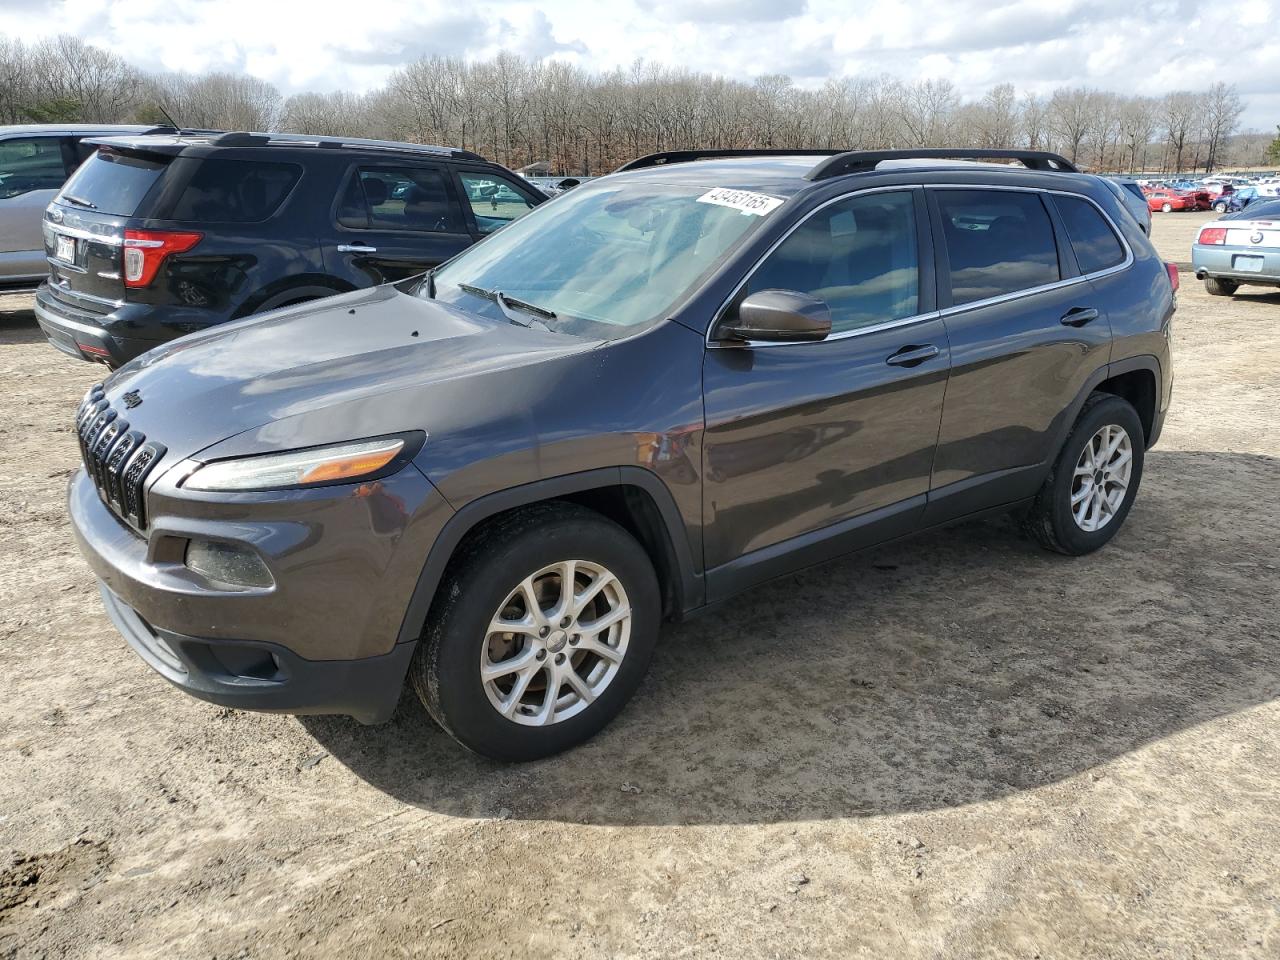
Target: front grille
[117, 459]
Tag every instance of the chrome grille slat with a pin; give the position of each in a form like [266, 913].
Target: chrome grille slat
[118, 460]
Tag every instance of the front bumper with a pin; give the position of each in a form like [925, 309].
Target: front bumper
[325, 637]
[1222, 261]
[265, 676]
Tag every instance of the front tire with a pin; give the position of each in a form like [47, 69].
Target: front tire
[513, 665]
[1220, 207]
[1087, 496]
[1220, 288]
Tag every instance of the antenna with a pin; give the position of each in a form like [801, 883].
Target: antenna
[165, 114]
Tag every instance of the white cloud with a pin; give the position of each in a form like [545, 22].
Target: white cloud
[1144, 47]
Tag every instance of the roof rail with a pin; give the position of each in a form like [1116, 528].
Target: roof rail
[242, 139]
[684, 156]
[860, 161]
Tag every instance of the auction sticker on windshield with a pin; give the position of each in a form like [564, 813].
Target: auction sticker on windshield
[755, 204]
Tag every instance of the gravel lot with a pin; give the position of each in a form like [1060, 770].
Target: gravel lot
[956, 747]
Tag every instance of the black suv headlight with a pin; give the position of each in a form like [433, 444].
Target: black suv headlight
[312, 467]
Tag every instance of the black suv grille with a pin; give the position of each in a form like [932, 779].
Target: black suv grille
[117, 459]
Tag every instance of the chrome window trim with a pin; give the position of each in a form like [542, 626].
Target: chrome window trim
[936, 314]
[1044, 287]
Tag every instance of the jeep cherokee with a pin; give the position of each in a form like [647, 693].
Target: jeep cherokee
[674, 383]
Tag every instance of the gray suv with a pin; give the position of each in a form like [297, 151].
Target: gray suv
[35, 160]
[675, 383]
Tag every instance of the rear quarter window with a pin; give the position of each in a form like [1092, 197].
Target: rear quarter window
[114, 183]
[233, 191]
[1095, 244]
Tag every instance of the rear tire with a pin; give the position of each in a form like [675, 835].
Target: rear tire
[1167, 208]
[1220, 288]
[1062, 516]
[513, 573]
[1220, 207]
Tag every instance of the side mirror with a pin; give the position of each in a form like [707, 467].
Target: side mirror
[778, 316]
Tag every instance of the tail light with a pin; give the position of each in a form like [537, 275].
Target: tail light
[1213, 235]
[146, 250]
[1173, 275]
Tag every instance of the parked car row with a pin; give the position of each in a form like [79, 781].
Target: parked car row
[1223, 194]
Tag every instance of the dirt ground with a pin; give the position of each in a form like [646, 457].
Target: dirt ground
[956, 747]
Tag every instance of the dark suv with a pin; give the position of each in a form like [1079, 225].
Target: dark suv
[666, 387]
[156, 237]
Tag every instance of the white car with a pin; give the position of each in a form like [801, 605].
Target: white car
[1240, 248]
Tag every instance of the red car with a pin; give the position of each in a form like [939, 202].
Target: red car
[1168, 200]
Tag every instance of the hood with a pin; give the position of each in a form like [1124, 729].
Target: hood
[354, 362]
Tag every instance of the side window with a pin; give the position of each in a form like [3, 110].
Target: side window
[998, 242]
[31, 163]
[234, 191]
[1095, 244]
[494, 201]
[859, 255]
[413, 199]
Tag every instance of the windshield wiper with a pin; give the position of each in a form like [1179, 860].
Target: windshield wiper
[78, 202]
[508, 306]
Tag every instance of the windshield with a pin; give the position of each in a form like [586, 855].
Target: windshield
[602, 260]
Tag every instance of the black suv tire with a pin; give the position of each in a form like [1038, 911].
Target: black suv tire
[483, 582]
[1051, 520]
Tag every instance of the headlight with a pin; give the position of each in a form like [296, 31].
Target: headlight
[339, 463]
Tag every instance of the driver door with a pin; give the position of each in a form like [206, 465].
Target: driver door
[394, 221]
[815, 449]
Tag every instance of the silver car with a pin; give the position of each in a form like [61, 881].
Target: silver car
[34, 161]
[1240, 248]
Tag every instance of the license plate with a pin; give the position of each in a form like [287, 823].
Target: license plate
[1247, 264]
[65, 250]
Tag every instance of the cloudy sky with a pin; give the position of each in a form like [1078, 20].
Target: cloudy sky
[1037, 44]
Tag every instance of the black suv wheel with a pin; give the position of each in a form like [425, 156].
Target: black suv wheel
[1091, 487]
[544, 629]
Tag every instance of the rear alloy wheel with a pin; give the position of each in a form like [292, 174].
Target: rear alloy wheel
[1220, 288]
[1167, 208]
[541, 631]
[1093, 482]
[1220, 207]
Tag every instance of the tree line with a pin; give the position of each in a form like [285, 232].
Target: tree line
[519, 111]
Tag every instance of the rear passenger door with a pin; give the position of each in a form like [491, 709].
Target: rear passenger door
[1026, 332]
[392, 221]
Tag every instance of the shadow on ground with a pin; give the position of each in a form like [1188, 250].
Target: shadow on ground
[954, 668]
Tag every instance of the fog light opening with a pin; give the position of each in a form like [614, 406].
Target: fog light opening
[228, 564]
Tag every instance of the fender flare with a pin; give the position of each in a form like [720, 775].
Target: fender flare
[688, 574]
[1146, 362]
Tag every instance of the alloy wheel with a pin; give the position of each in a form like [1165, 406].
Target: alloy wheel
[1101, 478]
[556, 643]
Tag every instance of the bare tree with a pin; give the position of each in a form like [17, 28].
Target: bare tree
[1223, 109]
[1179, 111]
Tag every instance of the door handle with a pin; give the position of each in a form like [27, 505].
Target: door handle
[355, 248]
[1079, 316]
[913, 356]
